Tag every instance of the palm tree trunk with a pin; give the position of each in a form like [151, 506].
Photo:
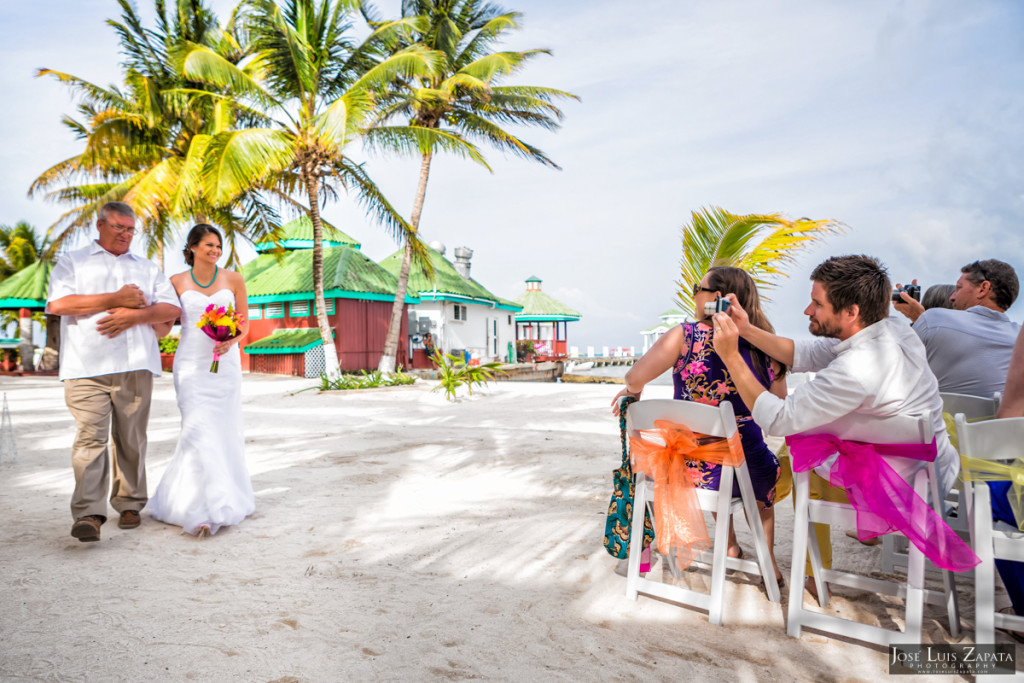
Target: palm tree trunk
[331, 367]
[387, 360]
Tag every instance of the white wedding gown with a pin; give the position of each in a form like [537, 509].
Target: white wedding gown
[206, 482]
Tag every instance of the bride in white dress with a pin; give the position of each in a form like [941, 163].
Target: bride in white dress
[206, 485]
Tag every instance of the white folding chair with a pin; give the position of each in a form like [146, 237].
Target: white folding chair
[894, 548]
[855, 427]
[990, 440]
[713, 421]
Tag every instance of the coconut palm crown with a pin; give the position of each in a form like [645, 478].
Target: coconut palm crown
[145, 140]
[316, 85]
[764, 245]
[465, 100]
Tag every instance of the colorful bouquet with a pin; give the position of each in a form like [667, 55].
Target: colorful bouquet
[219, 324]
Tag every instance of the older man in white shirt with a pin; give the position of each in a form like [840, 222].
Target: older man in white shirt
[108, 300]
[865, 362]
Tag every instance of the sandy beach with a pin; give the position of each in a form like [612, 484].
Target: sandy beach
[396, 537]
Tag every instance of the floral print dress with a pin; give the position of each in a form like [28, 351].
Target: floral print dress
[700, 375]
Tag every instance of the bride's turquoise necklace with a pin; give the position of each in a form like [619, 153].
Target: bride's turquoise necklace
[215, 271]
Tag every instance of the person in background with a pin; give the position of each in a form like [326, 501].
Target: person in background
[700, 375]
[937, 296]
[969, 347]
[1012, 405]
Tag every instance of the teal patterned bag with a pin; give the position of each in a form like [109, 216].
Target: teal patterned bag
[620, 508]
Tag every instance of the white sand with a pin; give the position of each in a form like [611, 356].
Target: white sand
[396, 537]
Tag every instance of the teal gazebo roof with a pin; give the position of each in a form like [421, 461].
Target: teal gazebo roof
[539, 307]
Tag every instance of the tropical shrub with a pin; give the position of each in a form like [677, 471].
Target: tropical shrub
[365, 380]
[169, 344]
[454, 372]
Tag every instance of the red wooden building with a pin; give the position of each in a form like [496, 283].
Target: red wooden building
[283, 333]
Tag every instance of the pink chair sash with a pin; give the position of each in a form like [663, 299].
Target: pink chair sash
[884, 501]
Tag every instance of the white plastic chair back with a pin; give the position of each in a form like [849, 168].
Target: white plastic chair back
[921, 475]
[894, 548]
[990, 440]
[971, 406]
[713, 421]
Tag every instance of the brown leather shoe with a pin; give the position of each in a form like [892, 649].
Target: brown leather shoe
[86, 529]
[129, 519]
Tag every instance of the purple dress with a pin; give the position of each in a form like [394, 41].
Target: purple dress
[700, 375]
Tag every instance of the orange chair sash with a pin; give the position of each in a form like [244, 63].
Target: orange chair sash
[662, 453]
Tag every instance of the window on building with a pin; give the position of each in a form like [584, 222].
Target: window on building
[275, 310]
[460, 312]
[255, 312]
[298, 309]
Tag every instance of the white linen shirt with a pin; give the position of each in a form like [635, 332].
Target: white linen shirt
[84, 352]
[881, 371]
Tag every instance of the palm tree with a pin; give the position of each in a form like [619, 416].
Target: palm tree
[464, 101]
[21, 247]
[764, 245]
[316, 85]
[145, 140]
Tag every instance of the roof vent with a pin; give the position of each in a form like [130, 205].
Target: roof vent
[437, 246]
[462, 257]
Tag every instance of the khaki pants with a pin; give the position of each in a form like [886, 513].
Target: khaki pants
[820, 489]
[114, 405]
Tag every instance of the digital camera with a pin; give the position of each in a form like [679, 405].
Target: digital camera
[914, 291]
[719, 305]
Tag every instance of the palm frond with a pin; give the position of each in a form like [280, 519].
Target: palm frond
[716, 237]
[239, 160]
[202, 64]
[419, 140]
[477, 127]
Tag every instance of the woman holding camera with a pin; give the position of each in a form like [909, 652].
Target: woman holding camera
[700, 375]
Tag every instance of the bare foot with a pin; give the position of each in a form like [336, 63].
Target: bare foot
[203, 531]
[812, 588]
[734, 551]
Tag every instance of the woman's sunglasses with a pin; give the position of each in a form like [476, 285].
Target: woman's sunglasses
[697, 289]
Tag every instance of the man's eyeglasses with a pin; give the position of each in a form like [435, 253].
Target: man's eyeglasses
[697, 289]
[120, 228]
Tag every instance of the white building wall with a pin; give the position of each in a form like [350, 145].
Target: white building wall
[485, 333]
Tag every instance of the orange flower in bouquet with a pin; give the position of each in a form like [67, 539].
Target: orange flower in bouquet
[219, 324]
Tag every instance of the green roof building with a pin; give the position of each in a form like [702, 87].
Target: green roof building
[283, 334]
[669, 319]
[461, 315]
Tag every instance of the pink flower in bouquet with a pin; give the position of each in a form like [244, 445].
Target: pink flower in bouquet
[219, 324]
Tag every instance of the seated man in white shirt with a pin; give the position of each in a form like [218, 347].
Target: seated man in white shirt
[108, 300]
[865, 362]
[969, 348]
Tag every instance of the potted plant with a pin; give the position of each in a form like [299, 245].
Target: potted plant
[525, 352]
[168, 345]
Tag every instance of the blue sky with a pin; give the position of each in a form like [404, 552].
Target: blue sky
[903, 120]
